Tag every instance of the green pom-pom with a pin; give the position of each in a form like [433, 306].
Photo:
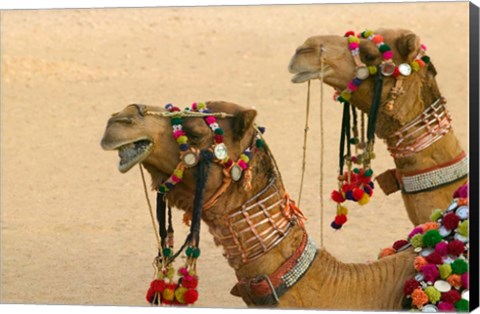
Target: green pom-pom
[341, 99]
[162, 189]
[368, 173]
[462, 228]
[356, 170]
[196, 252]
[167, 252]
[433, 294]
[259, 143]
[218, 131]
[417, 240]
[437, 213]
[426, 59]
[407, 303]
[188, 251]
[459, 266]
[431, 238]
[176, 121]
[384, 48]
[462, 305]
[445, 270]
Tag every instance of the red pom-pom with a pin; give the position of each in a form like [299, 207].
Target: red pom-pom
[451, 296]
[434, 258]
[218, 138]
[340, 219]
[347, 187]
[190, 296]
[189, 282]
[450, 221]
[409, 286]
[399, 244]
[396, 72]
[158, 285]
[349, 33]
[150, 295]
[455, 247]
[358, 193]
[337, 197]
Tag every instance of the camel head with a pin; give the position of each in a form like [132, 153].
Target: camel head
[141, 134]
[420, 88]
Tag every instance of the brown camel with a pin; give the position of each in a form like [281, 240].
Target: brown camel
[259, 227]
[419, 91]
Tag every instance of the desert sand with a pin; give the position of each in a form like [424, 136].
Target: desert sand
[76, 231]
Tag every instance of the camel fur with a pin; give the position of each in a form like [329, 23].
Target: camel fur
[421, 90]
[329, 283]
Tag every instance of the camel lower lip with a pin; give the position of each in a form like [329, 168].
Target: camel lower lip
[305, 76]
[133, 153]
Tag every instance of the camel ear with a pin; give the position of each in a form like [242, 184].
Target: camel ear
[242, 121]
[408, 46]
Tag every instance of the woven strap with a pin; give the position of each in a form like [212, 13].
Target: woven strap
[267, 290]
[432, 178]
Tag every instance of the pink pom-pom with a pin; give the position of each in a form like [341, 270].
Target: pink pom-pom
[387, 55]
[441, 248]
[194, 106]
[352, 86]
[415, 231]
[175, 179]
[446, 307]
[178, 133]
[430, 272]
[465, 280]
[242, 164]
[210, 120]
[353, 46]
[183, 271]
[424, 48]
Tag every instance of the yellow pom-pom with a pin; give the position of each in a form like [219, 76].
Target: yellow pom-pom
[170, 273]
[180, 294]
[437, 213]
[353, 39]
[178, 173]
[462, 228]
[445, 270]
[168, 294]
[342, 210]
[182, 139]
[372, 69]
[417, 240]
[368, 33]
[415, 66]
[200, 105]
[244, 158]
[346, 95]
[433, 294]
[364, 200]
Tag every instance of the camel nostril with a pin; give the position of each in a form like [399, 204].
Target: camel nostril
[125, 120]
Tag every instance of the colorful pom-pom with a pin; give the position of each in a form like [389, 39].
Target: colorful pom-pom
[441, 248]
[450, 221]
[409, 286]
[445, 270]
[386, 252]
[433, 294]
[353, 45]
[462, 305]
[342, 210]
[429, 226]
[435, 258]
[190, 281]
[437, 214]
[415, 66]
[459, 266]
[387, 55]
[377, 39]
[358, 193]
[337, 196]
[367, 33]
[415, 231]
[430, 272]
[465, 280]
[352, 87]
[190, 296]
[384, 48]
[335, 226]
[455, 247]
[417, 240]
[419, 298]
[431, 238]
[340, 219]
[397, 245]
[445, 307]
[345, 95]
[419, 262]
[210, 119]
[349, 33]
[150, 296]
[372, 70]
[455, 280]
[364, 200]
[451, 296]
[462, 228]
[168, 293]
[180, 294]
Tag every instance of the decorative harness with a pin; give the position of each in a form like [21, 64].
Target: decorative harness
[255, 227]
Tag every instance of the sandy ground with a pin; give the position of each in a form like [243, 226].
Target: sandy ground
[76, 231]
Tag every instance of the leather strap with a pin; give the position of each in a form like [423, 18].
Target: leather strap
[266, 290]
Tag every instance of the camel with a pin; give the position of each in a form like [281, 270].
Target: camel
[260, 229]
[402, 108]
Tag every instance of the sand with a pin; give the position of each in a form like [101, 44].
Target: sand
[76, 231]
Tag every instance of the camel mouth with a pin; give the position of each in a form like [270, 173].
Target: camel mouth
[133, 153]
[306, 76]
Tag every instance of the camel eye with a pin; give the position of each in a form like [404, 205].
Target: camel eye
[370, 58]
